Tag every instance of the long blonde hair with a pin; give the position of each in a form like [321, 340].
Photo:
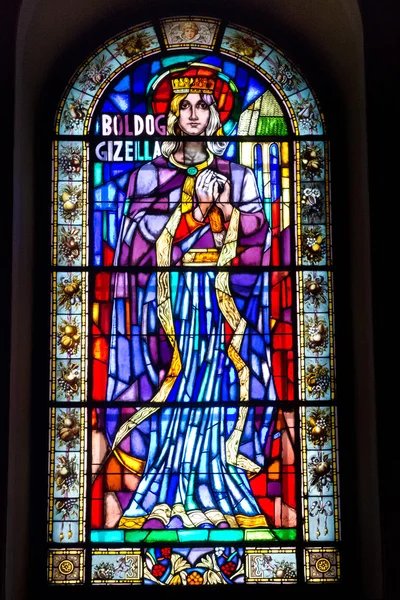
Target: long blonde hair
[214, 126]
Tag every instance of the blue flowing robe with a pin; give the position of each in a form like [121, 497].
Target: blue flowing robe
[198, 338]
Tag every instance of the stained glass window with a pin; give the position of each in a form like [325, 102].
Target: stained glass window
[192, 379]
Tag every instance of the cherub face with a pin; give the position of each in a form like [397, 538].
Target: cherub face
[189, 31]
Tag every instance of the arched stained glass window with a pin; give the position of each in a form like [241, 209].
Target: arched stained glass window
[192, 405]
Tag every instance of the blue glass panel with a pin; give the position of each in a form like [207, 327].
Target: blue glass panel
[120, 168]
[112, 421]
[123, 365]
[155, 66]
[230, 152]
[112, 230]
[138, 444]
[230, 127]
[245, 348]
[97, 241]
[120, 315]
[112, 363]
[140, 78]
[121, 203]
[274, 167]
[241, 78]
[122, 101]
[124, 85]
[138, 366]
[107, 172]
[255, 89]
[104, 196]
[274, 150]
[239, 303]
[258, 169]
[212, 60]
[122, 181]
[108, 107]
[229, 68]
[139, 107]
[256, 365]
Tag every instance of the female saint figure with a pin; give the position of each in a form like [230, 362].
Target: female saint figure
[190, 340]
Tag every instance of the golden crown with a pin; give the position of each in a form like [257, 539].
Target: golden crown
[195, 85]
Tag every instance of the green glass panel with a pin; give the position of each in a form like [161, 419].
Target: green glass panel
[271, 126]
[162, 536]
[170, 61]
[105, 224]
[193, 535]
[174, 279]
[259, 534]
[98, 174]
[285, 534]
[226, 535]
[136, 536]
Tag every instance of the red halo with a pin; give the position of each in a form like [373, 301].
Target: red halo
[163, 92]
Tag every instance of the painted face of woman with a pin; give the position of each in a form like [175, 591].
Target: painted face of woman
[194, 115]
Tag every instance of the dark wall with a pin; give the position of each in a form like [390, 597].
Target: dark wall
[382, 52]
[8, 24]
[382, 64]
